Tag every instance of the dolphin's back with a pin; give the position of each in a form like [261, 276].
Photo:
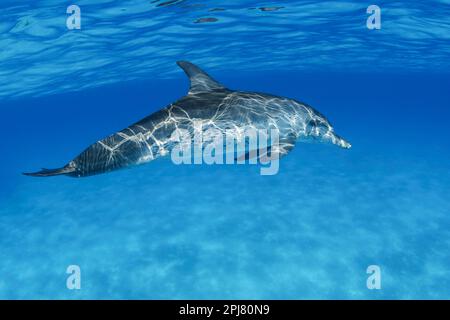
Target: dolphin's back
[216, 107]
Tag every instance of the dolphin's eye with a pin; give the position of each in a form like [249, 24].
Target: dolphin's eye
[312, 128]
[317, 128]
[311, 124]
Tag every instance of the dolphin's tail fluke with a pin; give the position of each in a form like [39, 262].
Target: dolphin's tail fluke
[51, 172]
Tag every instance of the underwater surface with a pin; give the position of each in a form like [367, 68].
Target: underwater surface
[166, 231]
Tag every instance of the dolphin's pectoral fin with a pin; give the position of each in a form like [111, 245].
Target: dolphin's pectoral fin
[268, 154]
[274, 152]
[51, 172]
[283, 147]
[279, 151]
[252, 154]
[200, 80]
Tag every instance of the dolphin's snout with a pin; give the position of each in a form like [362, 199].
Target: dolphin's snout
[341, 142]
[344, 144]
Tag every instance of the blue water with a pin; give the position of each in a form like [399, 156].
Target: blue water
[162, 231]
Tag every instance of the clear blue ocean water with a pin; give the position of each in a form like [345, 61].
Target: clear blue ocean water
[161, 231]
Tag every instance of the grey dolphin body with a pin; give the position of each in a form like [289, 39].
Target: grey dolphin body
[216, 107]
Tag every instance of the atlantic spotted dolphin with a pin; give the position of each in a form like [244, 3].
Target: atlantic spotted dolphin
[216, 107]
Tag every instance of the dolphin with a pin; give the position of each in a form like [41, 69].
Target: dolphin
[215, 106]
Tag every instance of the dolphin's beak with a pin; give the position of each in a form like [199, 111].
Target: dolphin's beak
[337, 140]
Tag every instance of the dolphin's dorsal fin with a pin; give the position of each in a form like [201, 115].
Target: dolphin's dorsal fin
[200, 80]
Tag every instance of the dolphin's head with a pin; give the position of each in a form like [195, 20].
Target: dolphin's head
[318, 128]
